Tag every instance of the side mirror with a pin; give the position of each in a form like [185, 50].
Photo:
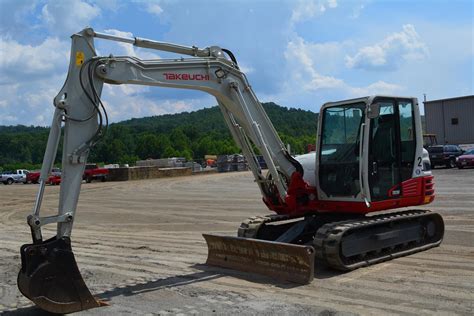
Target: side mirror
[373, 110]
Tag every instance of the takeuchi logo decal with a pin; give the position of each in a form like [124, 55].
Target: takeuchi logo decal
[199, 77]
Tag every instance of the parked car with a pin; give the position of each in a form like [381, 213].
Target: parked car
[262, 162]
[444, 155]
[9, 177]
[93, 172]
[466, 159]
[54, 179]
[33, 177]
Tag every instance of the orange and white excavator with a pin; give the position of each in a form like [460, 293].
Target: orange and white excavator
[369, 157]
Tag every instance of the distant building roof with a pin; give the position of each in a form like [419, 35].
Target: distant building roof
[450, 99]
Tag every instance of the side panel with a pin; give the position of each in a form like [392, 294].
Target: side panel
[434, 120]
[459, 120]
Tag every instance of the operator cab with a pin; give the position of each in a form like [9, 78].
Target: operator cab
[366, 148]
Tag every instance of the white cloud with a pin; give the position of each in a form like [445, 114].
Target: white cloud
[126, 101]
[391, 52]
[328, 56]
[125, 48]
[300, 60]
[357, 10]
[68, 16]
[128, 49]
[332, 3]
[246, 69]
[31, 76]
[42, 120]
[357, 7]
[112, 5]
[304, 73]
[151, 6]
[30, 103]
[9, 118]
[305, 10]
[24, 63]
[379, 87]
[154, 8]
[14, 17]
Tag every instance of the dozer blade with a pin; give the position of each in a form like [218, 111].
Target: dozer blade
[283, 261]
[49, 277]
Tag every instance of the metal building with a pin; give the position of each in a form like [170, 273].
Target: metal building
[452, 120]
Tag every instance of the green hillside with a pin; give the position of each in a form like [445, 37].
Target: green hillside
[188, 134]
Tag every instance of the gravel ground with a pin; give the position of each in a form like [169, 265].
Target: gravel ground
[139, 246]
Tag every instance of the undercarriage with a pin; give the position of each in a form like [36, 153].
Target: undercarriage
[340, 241]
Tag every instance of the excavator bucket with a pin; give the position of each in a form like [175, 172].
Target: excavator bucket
[282, 261]
[49, 277]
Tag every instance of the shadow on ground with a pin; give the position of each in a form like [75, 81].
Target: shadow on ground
[206, 273]
[321, 271]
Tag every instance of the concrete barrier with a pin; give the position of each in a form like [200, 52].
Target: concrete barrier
[139, 173]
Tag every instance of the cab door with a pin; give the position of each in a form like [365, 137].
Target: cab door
[339, 152]
[391, 148]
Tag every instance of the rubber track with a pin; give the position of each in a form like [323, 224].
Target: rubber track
[328, 238]
[327, 242]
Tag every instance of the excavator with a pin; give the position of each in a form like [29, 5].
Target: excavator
[369, 158]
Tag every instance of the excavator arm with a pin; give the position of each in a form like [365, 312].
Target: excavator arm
[49, 275]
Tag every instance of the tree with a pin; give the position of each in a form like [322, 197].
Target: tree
[189, 134]
[179, 139]
[147, 146]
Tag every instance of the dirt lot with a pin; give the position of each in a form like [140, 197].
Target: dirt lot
[139, 245]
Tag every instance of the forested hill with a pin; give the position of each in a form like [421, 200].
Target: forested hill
[188, 134]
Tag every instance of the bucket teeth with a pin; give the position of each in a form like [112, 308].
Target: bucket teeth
[49, 277]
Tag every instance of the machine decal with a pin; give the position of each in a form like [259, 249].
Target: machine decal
[198, 77]
[79, 59]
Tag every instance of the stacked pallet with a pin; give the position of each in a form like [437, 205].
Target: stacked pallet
[228, 163]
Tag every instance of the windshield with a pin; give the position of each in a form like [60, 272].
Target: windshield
[469, 152]
[341, 129]
[339, 155]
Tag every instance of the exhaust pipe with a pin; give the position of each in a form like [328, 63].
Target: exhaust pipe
[50, 278]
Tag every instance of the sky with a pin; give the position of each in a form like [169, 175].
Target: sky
[297, 54]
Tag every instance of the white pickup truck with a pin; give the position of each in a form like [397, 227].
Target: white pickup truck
[8, 177]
